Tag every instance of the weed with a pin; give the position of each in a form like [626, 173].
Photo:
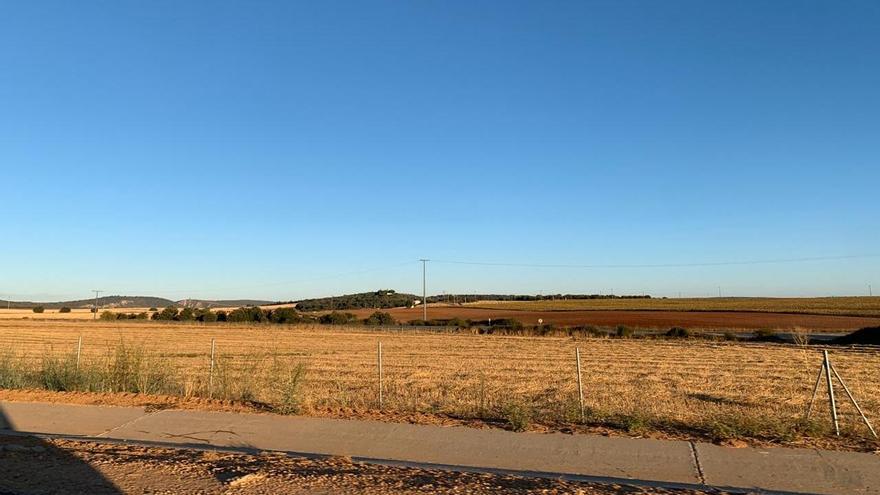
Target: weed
[517, 414]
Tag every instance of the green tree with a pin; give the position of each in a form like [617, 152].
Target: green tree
[186, 314]
[39, 309]
[169, 313]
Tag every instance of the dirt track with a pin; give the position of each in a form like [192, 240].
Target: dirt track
[645, 319]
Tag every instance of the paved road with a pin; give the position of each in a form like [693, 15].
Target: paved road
[645, 461]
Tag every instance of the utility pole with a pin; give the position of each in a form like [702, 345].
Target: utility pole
[719, 292]
[424, 289]
[95, 314]
[870, 290]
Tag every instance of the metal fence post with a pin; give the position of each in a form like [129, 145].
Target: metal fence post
[79, 345]
[577, 355]
[379, 357]
[831, 393]
[211, 374]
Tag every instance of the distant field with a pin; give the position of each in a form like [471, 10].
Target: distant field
[682, 388]
[647, 319]
[54, 314]
[851, 306]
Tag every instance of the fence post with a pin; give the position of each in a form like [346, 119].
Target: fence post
[79, 345]
[379, 356]
[577, 355]
[853, 400]
[211, 374]
[831, 393]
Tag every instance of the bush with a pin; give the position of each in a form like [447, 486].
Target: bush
[248, 314]
[39, 309]
[510, 323]
[678, 332]
[459, 322]
[169, 313]
[517, 415]
[221, 315]
[206, 315]
[285, 316]
[624, 331]
[110, 316]
[337, 318]
[186, 314]
[153, 309]
[380, 318]
[65, 309]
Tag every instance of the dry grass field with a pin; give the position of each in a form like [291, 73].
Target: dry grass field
[850, 306]
[685, 389]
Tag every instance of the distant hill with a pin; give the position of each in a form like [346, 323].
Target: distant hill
[103, 302]
[380, 299]
[387, 298]
[222, 303]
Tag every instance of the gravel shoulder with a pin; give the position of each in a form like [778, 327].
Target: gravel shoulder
[31, 465]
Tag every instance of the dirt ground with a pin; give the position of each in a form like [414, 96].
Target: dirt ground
[35, 466]
[728, 320]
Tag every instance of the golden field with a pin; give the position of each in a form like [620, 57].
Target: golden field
[682, 388]
[853, 306]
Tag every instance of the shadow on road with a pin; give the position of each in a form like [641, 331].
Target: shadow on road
[31, 465]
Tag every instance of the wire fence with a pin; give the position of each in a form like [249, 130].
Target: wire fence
[440, 371]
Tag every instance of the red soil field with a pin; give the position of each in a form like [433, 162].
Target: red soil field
[644, 319]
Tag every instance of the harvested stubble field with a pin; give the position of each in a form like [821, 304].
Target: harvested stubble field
[683, 389]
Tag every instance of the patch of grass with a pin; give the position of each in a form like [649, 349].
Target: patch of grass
[290, 380]
[517, 415]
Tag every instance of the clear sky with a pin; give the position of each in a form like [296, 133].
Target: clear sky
[283, 149]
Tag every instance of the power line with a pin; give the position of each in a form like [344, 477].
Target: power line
[95, 314]
[662, 265]
[424, 289]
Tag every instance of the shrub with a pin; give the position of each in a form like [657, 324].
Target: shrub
[153, 309]
[206, 315]
[65, 309]
[289, 400]
[380, 318]
[221, 315]
[510, 323]
[186, 314]
[169, 313]
[624, 331]
[459, 322]
[110, 316]
[248, 314]
[517, 415]
[336, 318]
[285, 316]
[39, 309]
[678, 332]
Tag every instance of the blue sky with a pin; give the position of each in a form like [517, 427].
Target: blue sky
[283, 149]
